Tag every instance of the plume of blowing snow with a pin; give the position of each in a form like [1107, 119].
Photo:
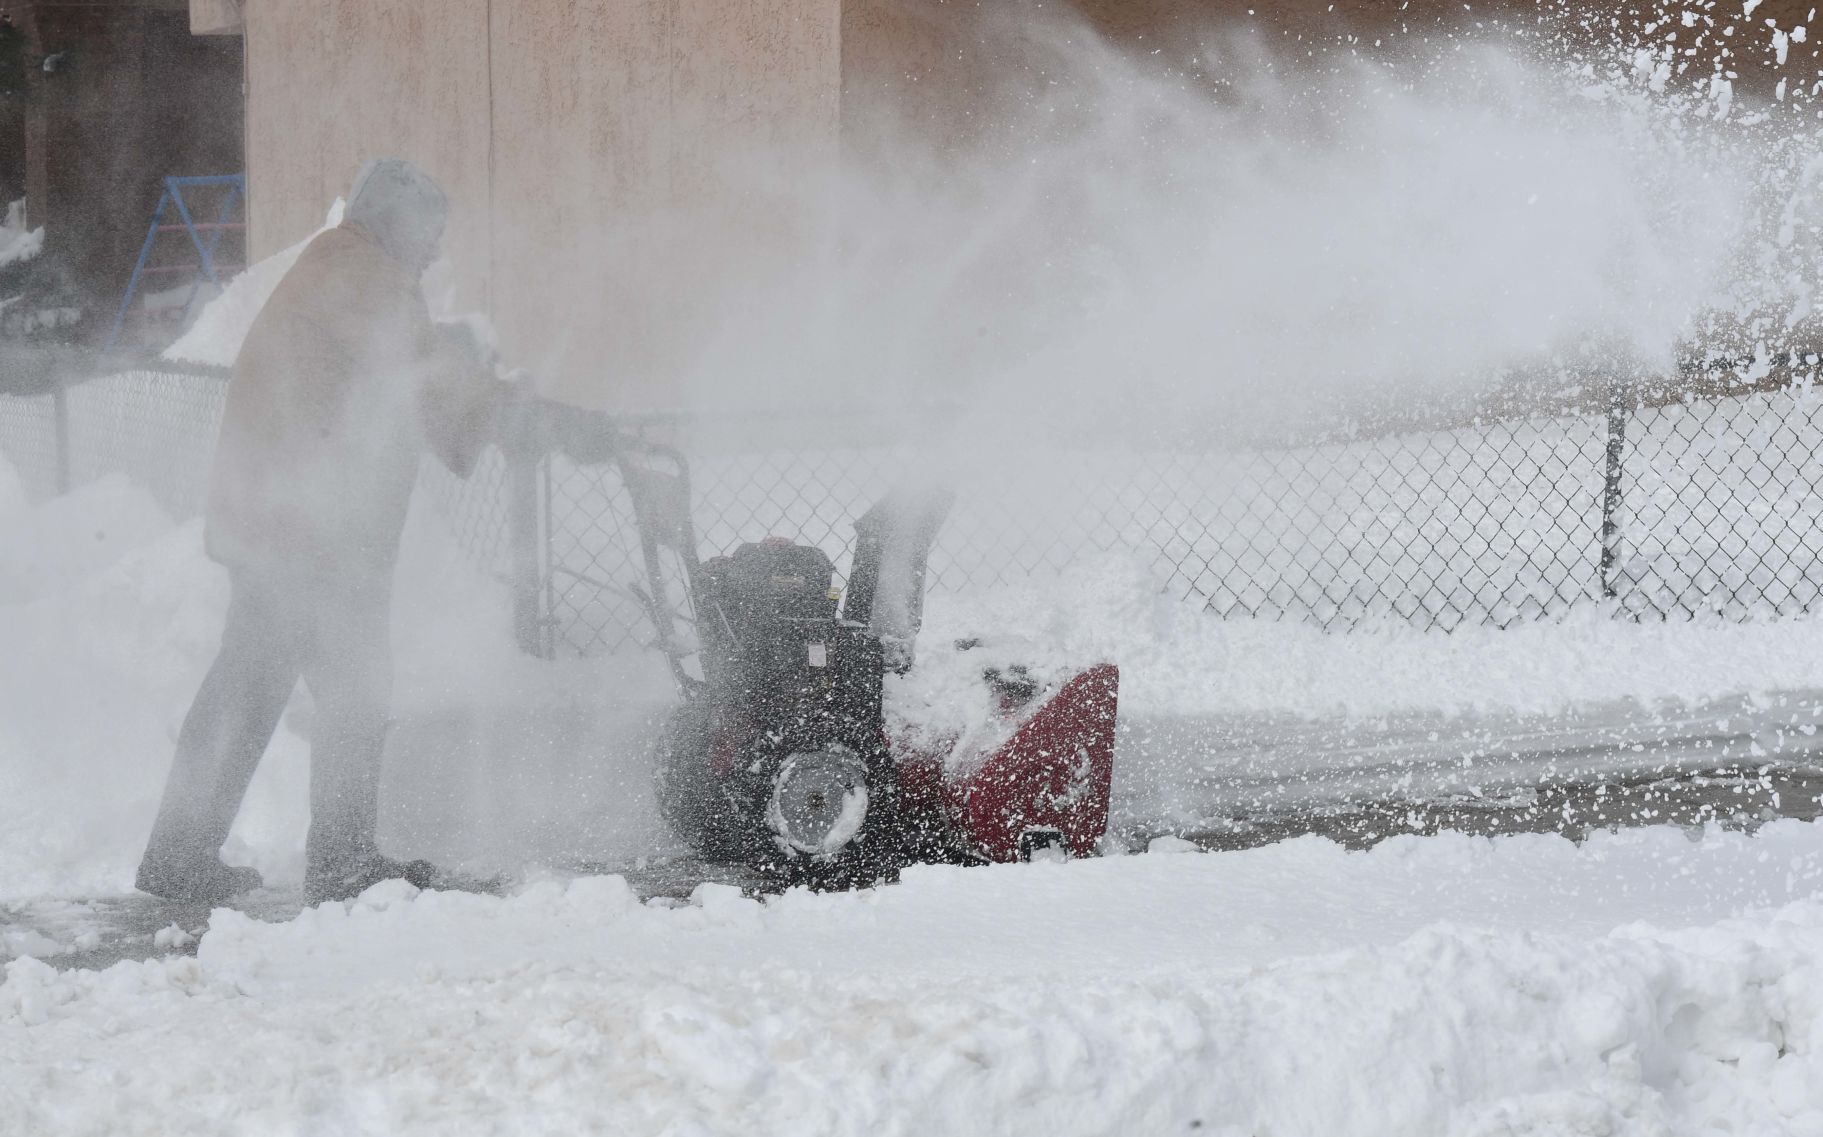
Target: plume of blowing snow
[1234, 232]
[1244, 236]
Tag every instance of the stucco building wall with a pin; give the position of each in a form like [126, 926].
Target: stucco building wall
[332, 83]
[597, 152]
[630, 135]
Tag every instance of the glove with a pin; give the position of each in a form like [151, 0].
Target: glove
[460, 342]
[519, 427]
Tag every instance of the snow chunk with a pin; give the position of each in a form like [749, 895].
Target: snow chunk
[1170, 844]
[17, 243]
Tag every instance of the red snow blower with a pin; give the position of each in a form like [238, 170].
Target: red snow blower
[779, 756]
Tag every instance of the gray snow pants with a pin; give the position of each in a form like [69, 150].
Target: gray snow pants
[334, 637]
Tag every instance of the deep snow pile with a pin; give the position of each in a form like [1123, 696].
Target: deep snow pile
[220, 328]
[215, 338]
[1433, 985]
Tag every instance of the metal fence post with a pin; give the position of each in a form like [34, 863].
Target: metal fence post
[1620, 393]
[60, 412]
[526, 533]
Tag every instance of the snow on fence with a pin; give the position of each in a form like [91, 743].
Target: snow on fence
[1719, 510]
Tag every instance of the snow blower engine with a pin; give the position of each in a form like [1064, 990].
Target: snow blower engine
[779, 757]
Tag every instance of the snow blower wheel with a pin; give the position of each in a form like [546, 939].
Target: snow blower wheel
[819, 802]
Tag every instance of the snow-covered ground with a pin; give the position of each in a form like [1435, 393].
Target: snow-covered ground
[1657, 980]
[1646, 983]
[1652, 981]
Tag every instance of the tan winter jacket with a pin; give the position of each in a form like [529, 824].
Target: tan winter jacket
[341, 383]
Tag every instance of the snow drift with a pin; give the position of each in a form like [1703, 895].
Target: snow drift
[1432, 986]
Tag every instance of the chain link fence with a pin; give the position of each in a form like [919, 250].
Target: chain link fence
[29, 442]
[1722, 508]
[155, 425]
[1709, 507]
[1494, 524]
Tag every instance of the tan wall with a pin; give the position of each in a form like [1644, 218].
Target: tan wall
[621, 186]
[591, 218]
[332, 83]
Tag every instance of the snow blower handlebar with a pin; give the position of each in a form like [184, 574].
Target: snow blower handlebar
[893, 539]
[657, 478]
[535, 426]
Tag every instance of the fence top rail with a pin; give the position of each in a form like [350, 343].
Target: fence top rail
[38, 369]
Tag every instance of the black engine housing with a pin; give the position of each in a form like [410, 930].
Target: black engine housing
[787, 721]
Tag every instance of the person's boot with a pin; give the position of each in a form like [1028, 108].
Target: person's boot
[348, 879]
[203, 881]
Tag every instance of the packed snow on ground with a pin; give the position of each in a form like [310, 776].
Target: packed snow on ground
[73, 536]
[1644, 983]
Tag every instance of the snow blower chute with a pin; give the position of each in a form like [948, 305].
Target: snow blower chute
[780, 757]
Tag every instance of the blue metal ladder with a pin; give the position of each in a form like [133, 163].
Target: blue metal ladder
[204, 237]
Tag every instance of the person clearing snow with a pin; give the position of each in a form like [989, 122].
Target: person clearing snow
[342, 380]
